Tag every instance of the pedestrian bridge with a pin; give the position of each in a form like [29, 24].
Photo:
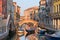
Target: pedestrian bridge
[28, 21]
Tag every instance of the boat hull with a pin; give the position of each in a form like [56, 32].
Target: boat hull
[52, 38]
[4, 35]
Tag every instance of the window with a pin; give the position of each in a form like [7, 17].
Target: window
[59, 7]
[30, 15]
[54, 9]
[56, 23]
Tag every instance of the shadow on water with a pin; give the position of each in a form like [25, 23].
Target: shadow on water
[25, 37]
[30, 32]
[11, 35]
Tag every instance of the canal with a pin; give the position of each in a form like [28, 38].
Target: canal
[32, 33]
[31, 37]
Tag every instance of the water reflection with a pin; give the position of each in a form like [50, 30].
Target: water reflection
[32, 36]
[29, 37]
[22, 38]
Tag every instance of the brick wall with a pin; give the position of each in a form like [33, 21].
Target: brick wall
[0, 7]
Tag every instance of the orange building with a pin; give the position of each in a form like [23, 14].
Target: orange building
[0, 7]
[3, 8]
[29, 13]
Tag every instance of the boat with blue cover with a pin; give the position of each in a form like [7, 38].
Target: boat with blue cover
[55, 36]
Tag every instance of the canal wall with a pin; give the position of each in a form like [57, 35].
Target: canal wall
[4, 36]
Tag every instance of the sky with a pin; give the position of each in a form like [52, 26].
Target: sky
[24, 4]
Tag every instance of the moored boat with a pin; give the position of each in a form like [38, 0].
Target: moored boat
[55, 36]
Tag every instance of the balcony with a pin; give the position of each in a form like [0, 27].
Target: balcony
[55, 15]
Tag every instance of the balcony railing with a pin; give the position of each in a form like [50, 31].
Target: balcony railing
[55, 15]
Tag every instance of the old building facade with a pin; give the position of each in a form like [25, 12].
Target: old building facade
[7, 22]
[56, 14]
[49, 13]
[30, 12]
[16, 11]
[42, 10]
[3, 8]
[45, 8]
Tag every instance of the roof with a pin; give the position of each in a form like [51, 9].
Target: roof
[35, 8]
